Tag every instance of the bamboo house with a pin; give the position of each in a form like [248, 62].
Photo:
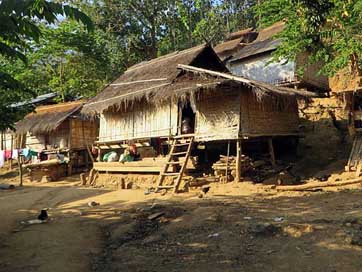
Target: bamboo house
[60, 137]
[150, 103]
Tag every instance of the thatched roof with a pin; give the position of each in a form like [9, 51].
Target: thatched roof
[248, 42]
[226, 49]
[265, 42]
[234, 42]
[166, 78]
[149, 77]
[241, 34]
[270, 31]
[47, 118]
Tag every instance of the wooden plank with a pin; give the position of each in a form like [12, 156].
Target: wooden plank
[150, 169]
[227, 161]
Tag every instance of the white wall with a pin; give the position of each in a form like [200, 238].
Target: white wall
[257, 68]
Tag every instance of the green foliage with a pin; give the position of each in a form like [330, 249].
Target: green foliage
[330, 30]
[47, 55]
[19, 26]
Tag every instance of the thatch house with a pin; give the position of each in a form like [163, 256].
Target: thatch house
[8, 138]
[150, 101]
[59, 134]
[254, 60]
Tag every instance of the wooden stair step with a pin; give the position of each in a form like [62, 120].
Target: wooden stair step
[184, 136]
[179, 153]
[182, 144]
[175, 162]
[170, 174]
[165, 187]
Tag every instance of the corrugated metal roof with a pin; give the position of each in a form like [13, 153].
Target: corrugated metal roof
[256, 48]
[37, 100]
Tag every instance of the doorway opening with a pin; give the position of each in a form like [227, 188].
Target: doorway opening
[188, 117]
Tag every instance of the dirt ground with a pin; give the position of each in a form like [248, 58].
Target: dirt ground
[234, 227]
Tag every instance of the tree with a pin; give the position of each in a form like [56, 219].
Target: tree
[19, 24]
[329, 30]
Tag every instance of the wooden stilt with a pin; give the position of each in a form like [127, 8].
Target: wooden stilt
[227, 162]
[271, 151]
[20, 165]
[99, 156]
[238, 161]
[70, 163]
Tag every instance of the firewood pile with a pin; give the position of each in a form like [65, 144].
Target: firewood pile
[220, 166]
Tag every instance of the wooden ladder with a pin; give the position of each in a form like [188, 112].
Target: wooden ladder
[180, 148]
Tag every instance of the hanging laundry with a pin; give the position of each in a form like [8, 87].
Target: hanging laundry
[33, 153]
[15, 154]
[7, 154]
[26, 153]
[2, 158]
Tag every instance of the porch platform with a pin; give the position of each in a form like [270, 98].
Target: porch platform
[146, 165]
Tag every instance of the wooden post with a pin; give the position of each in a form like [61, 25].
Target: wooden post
[11, 150]
[86, 159]
[70, 166]
[2, 140]
[20, 165]
[227, 162]
[99, 156]
[238, 161]
[271, 151]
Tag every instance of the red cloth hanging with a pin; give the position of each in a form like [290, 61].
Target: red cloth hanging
[8, 154]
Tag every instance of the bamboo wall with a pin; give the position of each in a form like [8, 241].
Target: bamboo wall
[143, 120]
[269, 116]
[35, 142]
[72, 133]
[58, 138]
[83, 133]
[217, 116]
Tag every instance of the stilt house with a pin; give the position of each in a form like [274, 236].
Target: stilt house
[60, 136]
[147, 105]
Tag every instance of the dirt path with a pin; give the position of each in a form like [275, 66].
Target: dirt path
[233, 228]
[65, 241]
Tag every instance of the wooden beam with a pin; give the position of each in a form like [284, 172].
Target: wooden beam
[261, 85]
[138, 81]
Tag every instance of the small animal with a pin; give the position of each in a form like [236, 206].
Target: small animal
[43, 215]
[93, 204]
[205, 189]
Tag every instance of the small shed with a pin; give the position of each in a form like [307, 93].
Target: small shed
[149, 102]
[347, 86]
[254, 60]
[60, 135]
